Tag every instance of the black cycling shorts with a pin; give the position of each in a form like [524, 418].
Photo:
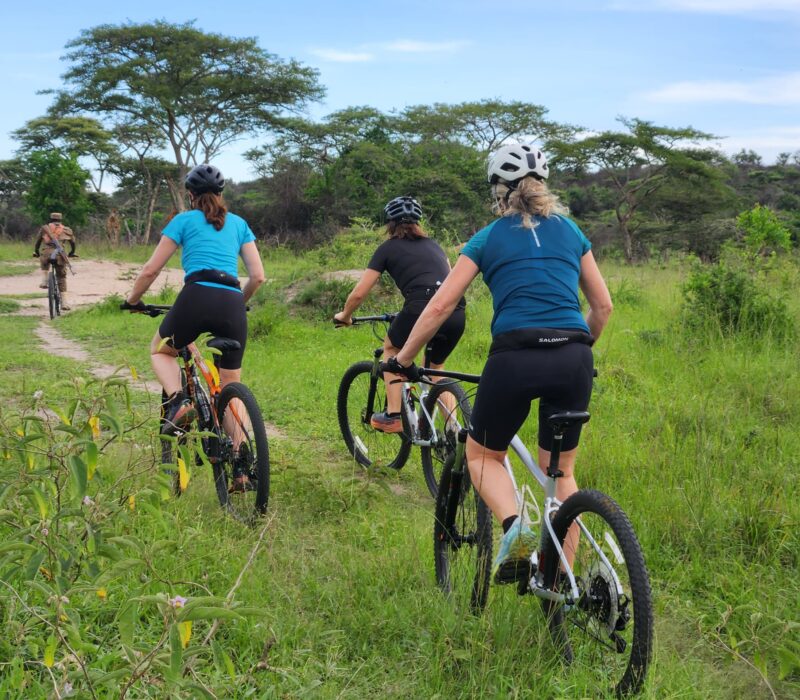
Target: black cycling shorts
[442, 344]
[202, 309]
[560, 377]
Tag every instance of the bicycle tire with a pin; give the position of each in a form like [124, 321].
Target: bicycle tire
[53, 297]
[369, 447]
[445, 430]
[238, 413]
[607, 635]
[462, 541]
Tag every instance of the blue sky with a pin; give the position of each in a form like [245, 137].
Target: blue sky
[728, 67]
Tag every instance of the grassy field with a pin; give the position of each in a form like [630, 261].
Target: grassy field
[696, 437]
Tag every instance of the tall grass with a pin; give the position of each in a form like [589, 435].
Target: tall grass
[696, 436]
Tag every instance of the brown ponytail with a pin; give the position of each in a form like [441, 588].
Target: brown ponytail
[213, 206]
[409, 231]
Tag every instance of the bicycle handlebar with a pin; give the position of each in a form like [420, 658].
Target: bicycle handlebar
[147, 309]
[356, 320]
[150, 309]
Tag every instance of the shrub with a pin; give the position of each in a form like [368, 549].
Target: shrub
[729, 297]
[763, 232]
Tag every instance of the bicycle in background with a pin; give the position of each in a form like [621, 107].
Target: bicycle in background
[431, 418]
[598, 605]
[230, 428]
[53, 289]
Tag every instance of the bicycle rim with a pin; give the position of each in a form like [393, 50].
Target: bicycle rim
[369, 447]
[241, 469]
[607, 635]
[462, 547]
[450, 410]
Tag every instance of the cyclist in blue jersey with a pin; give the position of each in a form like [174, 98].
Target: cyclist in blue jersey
[533, 259]
[418, 266]
[211, 300]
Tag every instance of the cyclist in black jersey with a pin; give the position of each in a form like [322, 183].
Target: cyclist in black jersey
[533, 259]
[418, 266]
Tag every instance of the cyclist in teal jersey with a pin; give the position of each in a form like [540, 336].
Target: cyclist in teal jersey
[211, 301]
[533, 259]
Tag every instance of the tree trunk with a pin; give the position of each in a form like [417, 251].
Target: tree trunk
[148, 223]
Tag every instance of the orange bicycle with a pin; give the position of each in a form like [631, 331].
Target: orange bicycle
[231, 431]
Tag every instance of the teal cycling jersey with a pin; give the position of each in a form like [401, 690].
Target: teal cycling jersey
[532, 273]
[205, 248]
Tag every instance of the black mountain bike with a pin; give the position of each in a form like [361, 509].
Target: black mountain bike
[53, 290]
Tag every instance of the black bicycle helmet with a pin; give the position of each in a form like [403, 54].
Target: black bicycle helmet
[404, 209]
[205, 178]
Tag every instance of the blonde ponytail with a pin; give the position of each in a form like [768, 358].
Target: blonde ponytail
[531, 197]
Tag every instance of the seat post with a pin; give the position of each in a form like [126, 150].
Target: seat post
[555, 455]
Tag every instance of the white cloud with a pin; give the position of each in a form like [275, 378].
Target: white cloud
[776, 90]
[727, 7]
[412, 46]
[343, 56]
[368, 52]
[769, 141]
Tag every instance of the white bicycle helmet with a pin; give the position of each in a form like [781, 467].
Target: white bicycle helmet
[516, 160]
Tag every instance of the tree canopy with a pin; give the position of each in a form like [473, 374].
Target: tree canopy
[198, 91]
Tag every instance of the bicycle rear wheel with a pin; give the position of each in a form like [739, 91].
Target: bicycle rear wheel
[450, 410]
[369, 447]
[53, 296]
[241, 469]
[607, 633]
[462, 539]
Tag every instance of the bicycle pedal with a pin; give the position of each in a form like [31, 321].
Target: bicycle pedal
[515, 571]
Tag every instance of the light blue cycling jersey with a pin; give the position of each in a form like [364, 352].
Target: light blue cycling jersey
[205, 248]
[532, 273]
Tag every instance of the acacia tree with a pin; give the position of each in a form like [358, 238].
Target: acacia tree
[637, 163]
[200, 91]
[78, 137]
[484, 125]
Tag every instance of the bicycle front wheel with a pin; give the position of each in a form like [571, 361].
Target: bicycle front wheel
[449, 409]
[241, 467]
[53, 296]
[369, 447]
[608, 631]
[462, 540]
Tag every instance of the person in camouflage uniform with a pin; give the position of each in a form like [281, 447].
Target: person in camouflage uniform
[52, 231]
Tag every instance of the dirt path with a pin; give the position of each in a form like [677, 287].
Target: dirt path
[93, 281]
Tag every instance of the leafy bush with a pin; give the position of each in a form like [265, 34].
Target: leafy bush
[731, 298]
[84, 603]
[763, 231]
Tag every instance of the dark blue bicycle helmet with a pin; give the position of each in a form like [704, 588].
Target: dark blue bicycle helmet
[404, 209]
[205, 178]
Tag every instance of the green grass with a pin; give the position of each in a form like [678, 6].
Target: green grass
[698, 442]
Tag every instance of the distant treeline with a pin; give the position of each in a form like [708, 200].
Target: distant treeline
[135, 92]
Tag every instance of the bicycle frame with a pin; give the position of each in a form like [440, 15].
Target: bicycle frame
[406, 404]
[551, 504]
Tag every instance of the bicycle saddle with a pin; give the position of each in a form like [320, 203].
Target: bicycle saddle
[565, 419]
[223, 344]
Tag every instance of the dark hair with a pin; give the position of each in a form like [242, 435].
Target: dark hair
[213, 206]
[409, 231]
